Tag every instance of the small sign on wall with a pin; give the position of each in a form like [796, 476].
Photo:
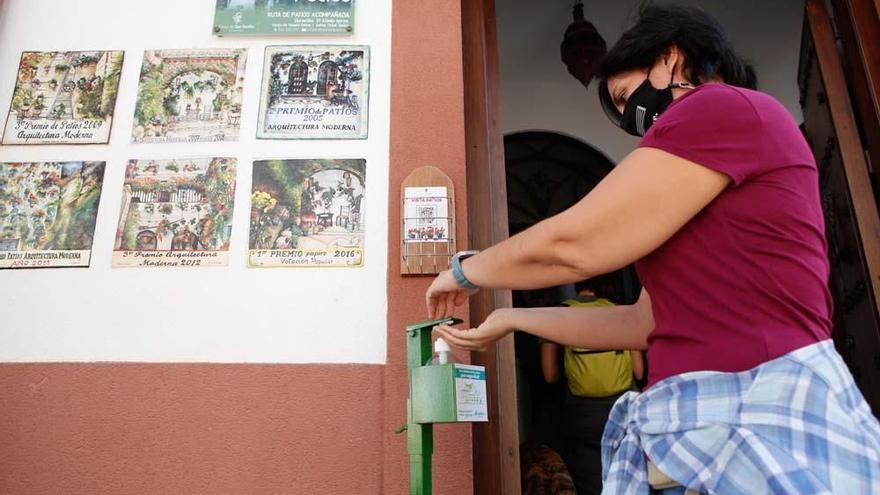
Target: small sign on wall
[290, 17]
[426, 214]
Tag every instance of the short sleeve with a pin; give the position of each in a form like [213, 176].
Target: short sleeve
[717, 127]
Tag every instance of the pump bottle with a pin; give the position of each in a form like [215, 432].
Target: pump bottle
[442, 353]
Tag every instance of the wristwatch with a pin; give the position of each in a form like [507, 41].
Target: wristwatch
[457, 272]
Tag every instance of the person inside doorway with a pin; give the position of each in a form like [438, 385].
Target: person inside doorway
[719, 208]
[595, 380]
[543, 472]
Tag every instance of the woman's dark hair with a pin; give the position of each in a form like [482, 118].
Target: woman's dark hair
[708, 53]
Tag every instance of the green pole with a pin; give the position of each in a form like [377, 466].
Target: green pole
[420, 437]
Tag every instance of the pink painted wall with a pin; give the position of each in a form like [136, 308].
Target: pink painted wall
[285, 429]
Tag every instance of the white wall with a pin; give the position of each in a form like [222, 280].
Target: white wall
[539, 94]
[230, 314]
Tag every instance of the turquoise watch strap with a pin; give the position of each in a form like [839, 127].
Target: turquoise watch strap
[458, 273]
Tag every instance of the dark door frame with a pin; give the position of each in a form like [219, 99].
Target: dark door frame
[495, 444]
[857, 26]
[851, 147]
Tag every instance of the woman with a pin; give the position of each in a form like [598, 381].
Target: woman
[719, 209]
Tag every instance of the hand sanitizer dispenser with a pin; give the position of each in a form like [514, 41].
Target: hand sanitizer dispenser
[448, 392]
[440, 391]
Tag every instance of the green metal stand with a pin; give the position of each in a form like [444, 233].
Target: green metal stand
[420, 437]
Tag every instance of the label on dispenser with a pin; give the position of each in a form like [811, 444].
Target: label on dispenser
[470, 393]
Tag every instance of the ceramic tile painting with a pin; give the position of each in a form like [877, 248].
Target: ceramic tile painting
[64, 98]
[189, 96]
[314, 92]
[48, 212]
[176, 213]
[307, 213]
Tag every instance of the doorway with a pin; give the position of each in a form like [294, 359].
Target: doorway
[547, 173]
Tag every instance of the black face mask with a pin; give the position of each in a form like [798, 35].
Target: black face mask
[645, 105]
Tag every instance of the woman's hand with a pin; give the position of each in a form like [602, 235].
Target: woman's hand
[444, 295]
[480, 339]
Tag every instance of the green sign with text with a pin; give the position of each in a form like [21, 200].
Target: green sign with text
[287, 17]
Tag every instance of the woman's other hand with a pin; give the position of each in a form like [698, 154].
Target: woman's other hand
[480, 339]
[444, 295]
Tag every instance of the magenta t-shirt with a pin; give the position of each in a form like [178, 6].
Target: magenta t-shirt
[746, 280]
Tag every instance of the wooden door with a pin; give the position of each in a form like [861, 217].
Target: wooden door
[852, 224]
[857, 24]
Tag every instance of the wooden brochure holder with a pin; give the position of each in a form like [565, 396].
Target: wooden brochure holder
[427, 236]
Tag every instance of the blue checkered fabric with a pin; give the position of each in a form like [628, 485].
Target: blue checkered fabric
[794, 425]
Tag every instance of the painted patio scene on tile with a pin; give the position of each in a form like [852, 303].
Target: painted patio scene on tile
[176, 213]
[189, 96]
[314, 92]
[48, 212]
[64, 98]
[307, 213]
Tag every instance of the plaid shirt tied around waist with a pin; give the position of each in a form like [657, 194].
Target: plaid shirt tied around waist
[793, 425]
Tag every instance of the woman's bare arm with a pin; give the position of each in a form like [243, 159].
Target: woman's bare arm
[646, 199]
[635, 209]
[600, 328]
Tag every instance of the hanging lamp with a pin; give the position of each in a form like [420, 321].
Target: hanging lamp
[582, 47]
